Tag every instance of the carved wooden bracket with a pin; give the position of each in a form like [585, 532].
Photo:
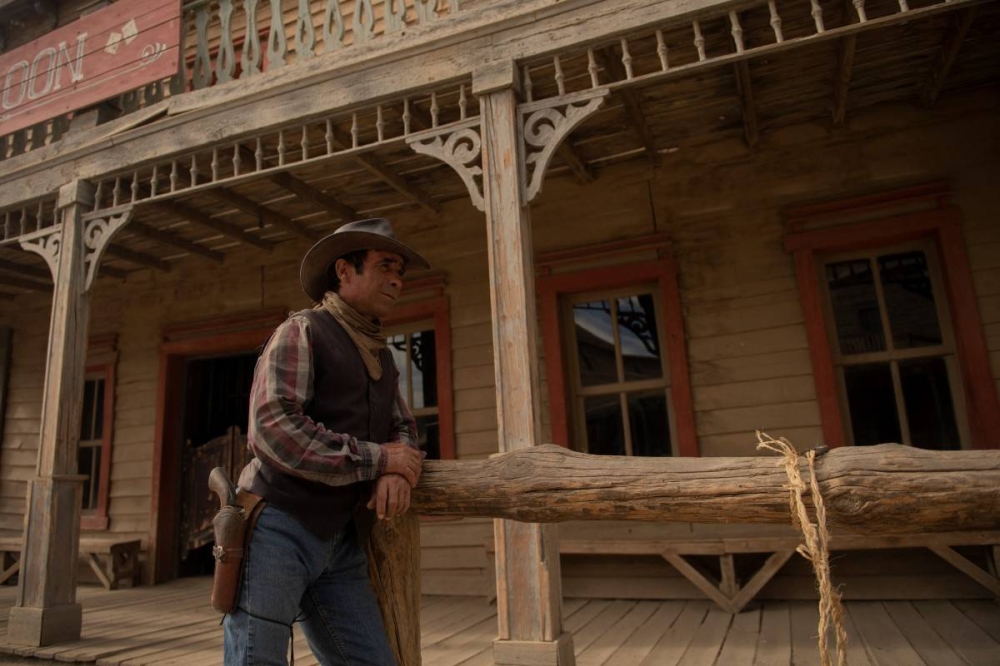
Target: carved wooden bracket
[544, 125]
[45, 243]
[98, 229]
[461, 147]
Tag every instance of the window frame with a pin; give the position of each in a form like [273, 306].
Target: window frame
[947, 350]
[97, 518]
[619, 388]
[435, 311]
[662, 272]
[891, 219]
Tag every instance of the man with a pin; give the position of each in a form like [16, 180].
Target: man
[327, 423]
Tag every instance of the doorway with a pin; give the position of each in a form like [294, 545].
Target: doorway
[216, 405]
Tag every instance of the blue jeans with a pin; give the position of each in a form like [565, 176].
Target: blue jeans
[291, 575]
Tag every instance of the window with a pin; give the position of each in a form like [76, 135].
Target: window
[615, 356]
[892, 347]
[414, 351]
[620, 376]
[94, 453]
[419, 337]
[891, 314]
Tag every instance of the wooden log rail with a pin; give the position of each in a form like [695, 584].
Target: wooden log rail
[877, 490]
[884, 489]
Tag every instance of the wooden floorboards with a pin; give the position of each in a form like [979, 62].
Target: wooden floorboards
[174, 625]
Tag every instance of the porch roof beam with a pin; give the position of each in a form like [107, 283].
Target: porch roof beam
[140, 258]
[195, 216]
[251, 207]
[21, 283]
[582, 173]
[340, 140]
[306, 191]
[24, 269]
[842, 82]
[949, 50]
[744, 87]
[630, 99]
[296, 185]
[166, 238]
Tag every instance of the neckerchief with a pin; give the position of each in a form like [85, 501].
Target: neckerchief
[366, 334]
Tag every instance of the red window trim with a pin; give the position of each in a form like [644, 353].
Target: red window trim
[943, 225]
[97, 519]
[663, 272]
[435, 309]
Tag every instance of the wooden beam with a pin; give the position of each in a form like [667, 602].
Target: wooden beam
[260, 212]
[582, 174]
[25, 270]
[842, 82]
[744, 88]
[375, 166]
[529, 591]
[227, 229]
[610, 62]
[308, 192]
[949, 50]
[865, 489]
[300, 187]
[21, 283]
[146, 231]
[140, 258]
[46, 610]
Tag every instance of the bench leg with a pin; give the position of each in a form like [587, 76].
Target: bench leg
[969, 568]
[760, 579]
[699, 579]
[96, 565]
[11, 565]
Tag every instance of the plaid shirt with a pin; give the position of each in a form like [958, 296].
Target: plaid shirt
[281, 434]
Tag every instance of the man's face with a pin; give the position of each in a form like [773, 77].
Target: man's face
[374, 290]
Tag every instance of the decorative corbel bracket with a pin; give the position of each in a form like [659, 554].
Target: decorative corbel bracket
[98, 229]
[544, 125]
[45, 243]
[460, 146]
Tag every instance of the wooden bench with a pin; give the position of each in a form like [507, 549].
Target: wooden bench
[732, 595]
[113, 560]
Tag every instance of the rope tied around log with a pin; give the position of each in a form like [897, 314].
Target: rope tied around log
[816, 537]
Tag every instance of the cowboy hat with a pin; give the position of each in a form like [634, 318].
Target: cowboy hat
[374, 234]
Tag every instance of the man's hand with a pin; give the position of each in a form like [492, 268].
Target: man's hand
[403, 460]
[391, 496]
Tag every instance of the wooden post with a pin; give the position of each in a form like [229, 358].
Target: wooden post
[529, 590]
[46, 611]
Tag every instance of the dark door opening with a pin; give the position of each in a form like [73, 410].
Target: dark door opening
[216, 406]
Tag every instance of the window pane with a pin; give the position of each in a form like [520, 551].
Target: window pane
[647, 415]
[909, 300]
[99, 409]
[855, 306]
[929, 408]
[423, 354]
[639, 338]
[595, 344]
[872, 403]
[397, 345]
[87, 425]
[605, 429]
[430, 435]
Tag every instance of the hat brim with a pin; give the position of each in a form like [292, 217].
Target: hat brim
[313, 271]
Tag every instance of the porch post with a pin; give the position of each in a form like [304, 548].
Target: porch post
[46, 611]
[529, 589]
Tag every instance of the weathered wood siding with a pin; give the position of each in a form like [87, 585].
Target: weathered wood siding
[748, 356]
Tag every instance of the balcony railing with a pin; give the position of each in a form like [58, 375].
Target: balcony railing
[227, 40]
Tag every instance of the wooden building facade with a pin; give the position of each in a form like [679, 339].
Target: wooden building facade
[776, 215]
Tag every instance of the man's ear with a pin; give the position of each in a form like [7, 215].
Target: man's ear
[341, 268]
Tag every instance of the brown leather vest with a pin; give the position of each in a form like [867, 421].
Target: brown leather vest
[345, 400]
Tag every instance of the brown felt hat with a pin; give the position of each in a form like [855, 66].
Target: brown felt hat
[374, 234]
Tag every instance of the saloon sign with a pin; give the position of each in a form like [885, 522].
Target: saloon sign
[114, 50]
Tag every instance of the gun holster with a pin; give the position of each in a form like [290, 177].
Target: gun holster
[233, 527]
